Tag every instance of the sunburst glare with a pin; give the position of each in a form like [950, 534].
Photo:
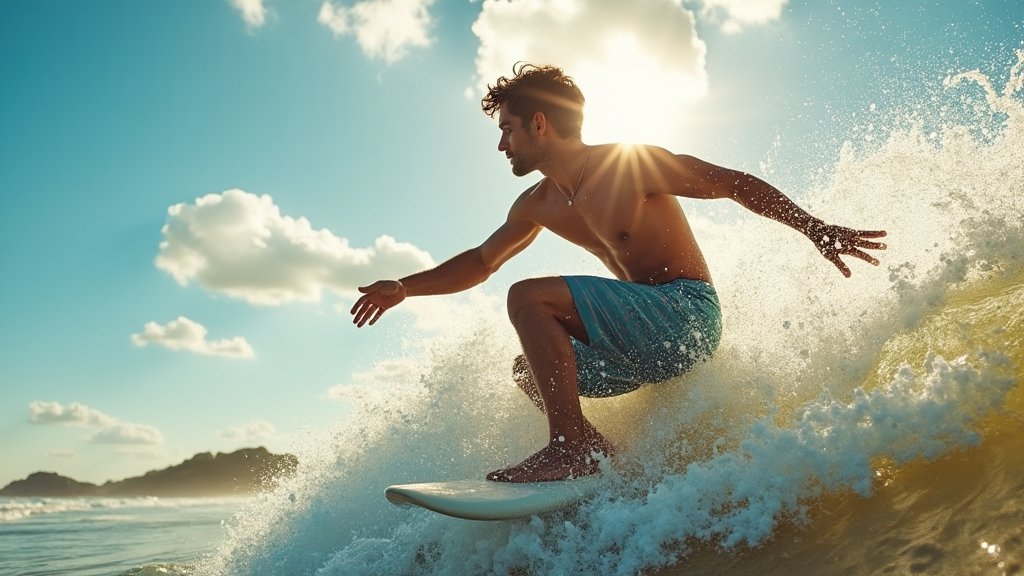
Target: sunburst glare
[632, 97]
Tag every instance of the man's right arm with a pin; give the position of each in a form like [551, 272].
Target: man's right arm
[456, 274]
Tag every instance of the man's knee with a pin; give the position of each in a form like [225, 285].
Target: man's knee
[526, 291]
[535, 295]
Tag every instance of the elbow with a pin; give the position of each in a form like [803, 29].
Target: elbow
[484, 268]
[484, 274]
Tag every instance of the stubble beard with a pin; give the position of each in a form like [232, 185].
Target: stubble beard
[528, 160]
[520, 167]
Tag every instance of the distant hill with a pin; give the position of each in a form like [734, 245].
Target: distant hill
[238, 473]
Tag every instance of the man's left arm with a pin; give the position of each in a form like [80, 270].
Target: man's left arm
[699, 179]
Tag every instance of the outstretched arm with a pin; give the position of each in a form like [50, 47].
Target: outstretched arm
[699, 179]
[458, 273]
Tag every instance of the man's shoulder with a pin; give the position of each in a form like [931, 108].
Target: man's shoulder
[630, 148]
[641, 158]
[527, 203]
[531, 194]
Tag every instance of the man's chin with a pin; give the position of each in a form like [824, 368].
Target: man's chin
[521, 170]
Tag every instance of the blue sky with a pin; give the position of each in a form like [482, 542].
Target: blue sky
[191, 190]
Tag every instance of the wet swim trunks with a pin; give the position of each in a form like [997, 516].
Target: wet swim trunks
[641, 333]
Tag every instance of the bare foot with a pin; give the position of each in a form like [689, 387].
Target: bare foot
[559, 460]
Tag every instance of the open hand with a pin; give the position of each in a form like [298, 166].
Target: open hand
[377, 298]
[835, 241]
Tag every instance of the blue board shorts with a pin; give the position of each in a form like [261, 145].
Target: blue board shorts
[641, 333]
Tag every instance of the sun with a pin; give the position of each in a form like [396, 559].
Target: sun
[631, 97]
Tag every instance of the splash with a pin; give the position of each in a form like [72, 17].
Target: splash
[807, 396]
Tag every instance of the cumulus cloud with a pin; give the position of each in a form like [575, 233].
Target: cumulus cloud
[239, 244]
[109, 430]
[253, 12]
[124, 433]
[639, 63]
[251, 431]
[186, 334]
[738, 13]
[74, 414]
[385, 29]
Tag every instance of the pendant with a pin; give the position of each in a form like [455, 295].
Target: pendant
[568, 201]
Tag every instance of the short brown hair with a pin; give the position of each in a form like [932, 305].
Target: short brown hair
[533, 89]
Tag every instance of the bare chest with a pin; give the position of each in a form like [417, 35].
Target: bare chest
[606, 220]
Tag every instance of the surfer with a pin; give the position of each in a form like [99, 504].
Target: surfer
[590, 336]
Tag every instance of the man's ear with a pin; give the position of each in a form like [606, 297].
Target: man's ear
[539, 123]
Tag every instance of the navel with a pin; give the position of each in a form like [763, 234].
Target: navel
[623, 236]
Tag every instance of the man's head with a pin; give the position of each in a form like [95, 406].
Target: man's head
[533, 89]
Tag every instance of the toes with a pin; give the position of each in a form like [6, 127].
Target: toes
[499, 476]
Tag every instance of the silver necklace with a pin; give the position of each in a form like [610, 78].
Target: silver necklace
[569, 197]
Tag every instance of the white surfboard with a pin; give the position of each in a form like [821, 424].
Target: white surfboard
[486, 500]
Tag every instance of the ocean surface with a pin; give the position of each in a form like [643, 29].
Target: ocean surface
[865, 426]
[109, 536]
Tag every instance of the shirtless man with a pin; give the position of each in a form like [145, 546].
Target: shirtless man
[593, 336]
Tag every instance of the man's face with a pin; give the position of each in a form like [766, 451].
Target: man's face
[518, 142]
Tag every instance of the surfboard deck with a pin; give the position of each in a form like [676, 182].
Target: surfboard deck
[486, 500]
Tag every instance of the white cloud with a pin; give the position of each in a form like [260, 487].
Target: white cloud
[638, 63]
[385, 29]
[253, 12]
[110, 430]
[136, 452]
[738, 13]
[74, 414]
[124, 433]
[251, 431]
[240, 244]
[185, 334]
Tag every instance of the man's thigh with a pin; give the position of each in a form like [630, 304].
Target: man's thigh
[549, 296]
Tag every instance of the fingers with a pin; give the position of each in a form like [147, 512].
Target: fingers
[364, 309]
[848, 236]
[851, 233]
[863, 256]
[359, 303]
[360, 315]
[871, 233]
[833, 257]
[839, 241]
[380, 311]
[841, 265]
[377, 298]
[857, 238]
[370, 313]
[870, 245]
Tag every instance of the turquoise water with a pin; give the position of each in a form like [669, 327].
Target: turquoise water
[108, 536]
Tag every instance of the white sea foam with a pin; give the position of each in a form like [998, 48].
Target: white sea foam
[13, 509]
[793, 405]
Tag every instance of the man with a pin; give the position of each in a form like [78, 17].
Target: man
[595, 336]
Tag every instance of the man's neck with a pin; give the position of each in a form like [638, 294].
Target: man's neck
[566, 164]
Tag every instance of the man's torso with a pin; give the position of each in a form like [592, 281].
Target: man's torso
[622, 213]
